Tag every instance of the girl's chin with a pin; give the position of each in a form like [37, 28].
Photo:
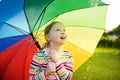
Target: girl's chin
[62, 42]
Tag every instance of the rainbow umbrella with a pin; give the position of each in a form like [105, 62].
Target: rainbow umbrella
[21, 31]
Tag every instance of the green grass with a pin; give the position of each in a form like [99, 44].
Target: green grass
[103, 65]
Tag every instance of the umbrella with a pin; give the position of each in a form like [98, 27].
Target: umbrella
[21, 31]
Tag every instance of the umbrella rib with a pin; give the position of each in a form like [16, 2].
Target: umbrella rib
[74, 10]
[18, 29]
[43, 29]
[26, 17]
[42, 14]
[10, 38]
[87, 27]
[40, 20]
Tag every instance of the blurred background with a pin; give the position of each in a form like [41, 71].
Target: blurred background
[105, 63]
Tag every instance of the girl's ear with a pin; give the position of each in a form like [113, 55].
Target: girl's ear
[47, 37]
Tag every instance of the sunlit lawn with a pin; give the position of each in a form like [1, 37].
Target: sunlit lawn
[103, 65]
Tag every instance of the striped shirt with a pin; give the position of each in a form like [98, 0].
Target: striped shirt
[64, 67]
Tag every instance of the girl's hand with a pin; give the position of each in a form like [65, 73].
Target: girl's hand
[50, 68]
[54, 55]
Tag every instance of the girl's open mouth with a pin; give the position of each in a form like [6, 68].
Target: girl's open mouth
[63, 37]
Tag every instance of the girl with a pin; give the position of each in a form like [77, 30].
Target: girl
[52, 63]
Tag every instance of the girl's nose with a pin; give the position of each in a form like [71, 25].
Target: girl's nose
[63, 32]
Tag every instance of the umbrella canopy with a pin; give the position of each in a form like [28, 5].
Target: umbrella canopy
[22, 23]
[84, 20]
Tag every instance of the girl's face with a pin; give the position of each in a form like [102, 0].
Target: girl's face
[57, 34]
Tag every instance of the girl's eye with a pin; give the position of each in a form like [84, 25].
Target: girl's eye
[57, 29]
[64, 30]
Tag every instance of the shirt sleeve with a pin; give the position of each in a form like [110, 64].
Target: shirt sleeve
[37, 69]
[65, 70]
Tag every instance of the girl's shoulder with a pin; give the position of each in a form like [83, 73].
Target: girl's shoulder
[40, 53]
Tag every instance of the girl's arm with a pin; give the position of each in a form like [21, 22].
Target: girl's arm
[37, 70]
